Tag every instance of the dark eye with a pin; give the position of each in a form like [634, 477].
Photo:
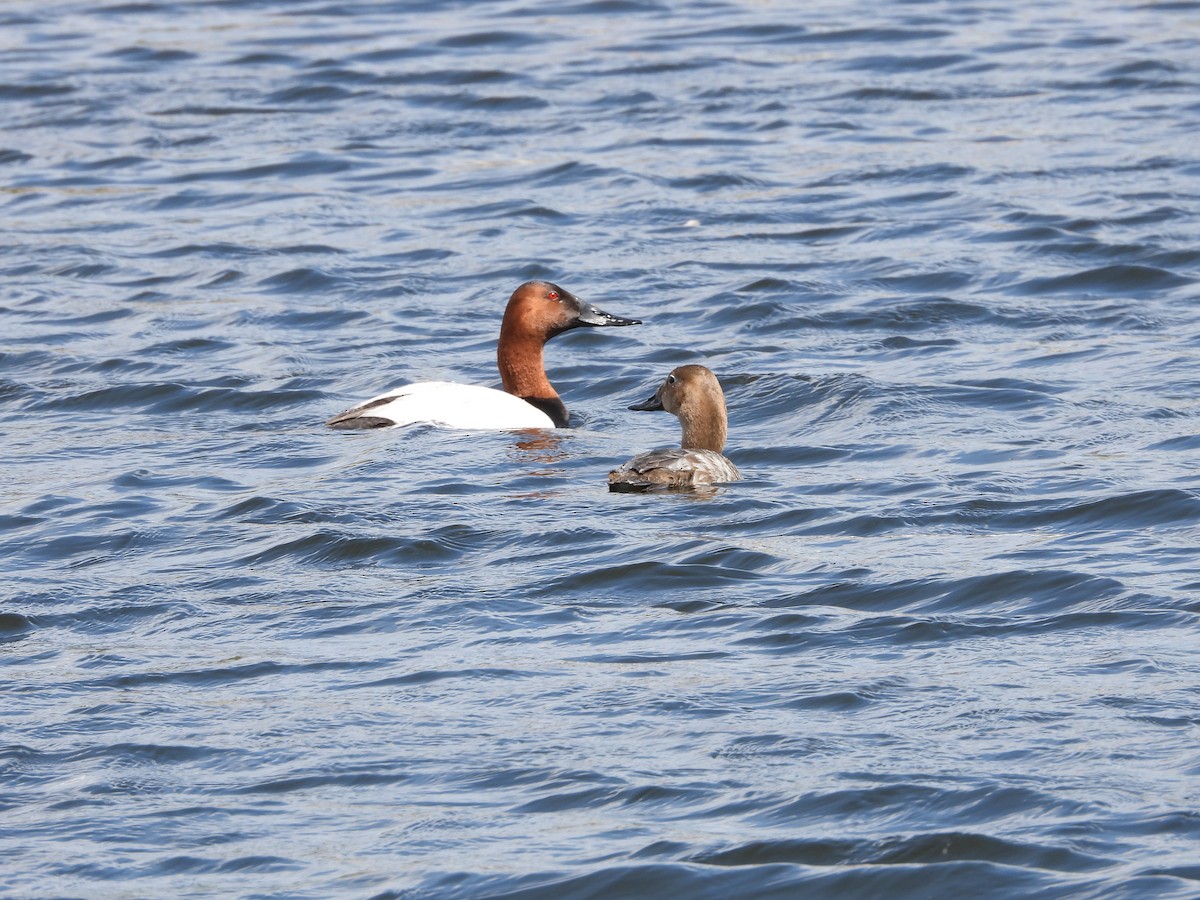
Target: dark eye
[670, 379]
[553, 295]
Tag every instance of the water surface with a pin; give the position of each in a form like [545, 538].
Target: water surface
[941, 640]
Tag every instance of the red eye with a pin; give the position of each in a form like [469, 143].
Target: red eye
[553, 295]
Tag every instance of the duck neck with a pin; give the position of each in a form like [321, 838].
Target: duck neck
[523, 374]
[704, 429]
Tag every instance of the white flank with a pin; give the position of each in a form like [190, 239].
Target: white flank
[466, 406]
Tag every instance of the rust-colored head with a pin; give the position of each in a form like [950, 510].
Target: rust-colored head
[536, 312]
[540, 309]
[693, 394]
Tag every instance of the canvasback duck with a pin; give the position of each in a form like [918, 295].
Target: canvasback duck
[693, 394]
[536, 312]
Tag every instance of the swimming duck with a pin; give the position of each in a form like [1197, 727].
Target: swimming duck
[694, 395]
[536, 312]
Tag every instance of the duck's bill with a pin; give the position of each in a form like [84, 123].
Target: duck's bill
[598, 317]
[648, 405]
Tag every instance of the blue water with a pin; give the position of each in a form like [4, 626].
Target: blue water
[941, 641]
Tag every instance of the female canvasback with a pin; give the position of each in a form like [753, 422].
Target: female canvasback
[694, 395]
[536, 312]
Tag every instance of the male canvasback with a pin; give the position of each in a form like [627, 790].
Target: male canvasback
[536, 312]
[694, 395]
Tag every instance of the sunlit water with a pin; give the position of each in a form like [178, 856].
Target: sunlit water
[940, 642]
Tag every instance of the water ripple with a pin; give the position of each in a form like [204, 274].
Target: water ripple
[938, 641]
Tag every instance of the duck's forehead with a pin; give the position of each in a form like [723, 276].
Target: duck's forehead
[537, 290]
[682, 378]
[699, 378]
